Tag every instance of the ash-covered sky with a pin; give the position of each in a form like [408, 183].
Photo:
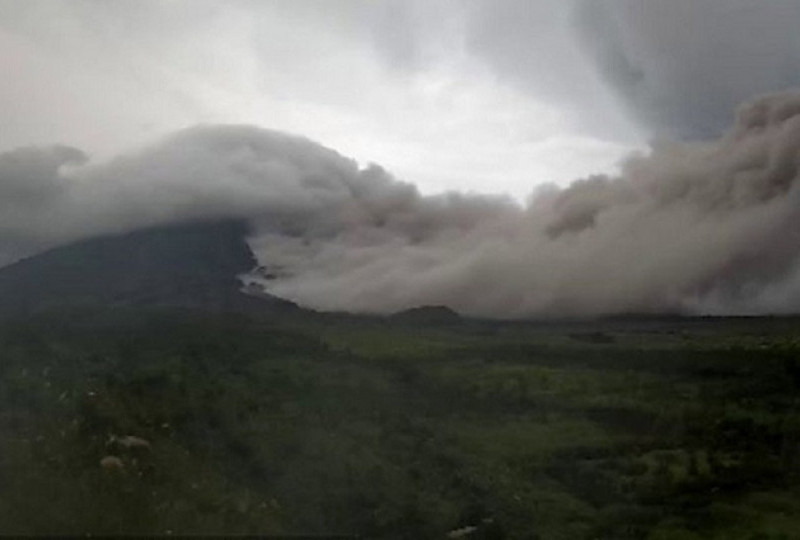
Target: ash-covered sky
[475, 95]
[588, 149]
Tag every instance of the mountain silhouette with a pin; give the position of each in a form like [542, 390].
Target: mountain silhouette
[191, 265]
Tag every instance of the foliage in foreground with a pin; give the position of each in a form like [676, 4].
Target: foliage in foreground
[335, 425]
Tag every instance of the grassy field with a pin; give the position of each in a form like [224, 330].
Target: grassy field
[386, 428]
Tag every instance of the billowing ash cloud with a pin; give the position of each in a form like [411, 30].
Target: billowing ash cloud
[688, 227]
[682, 65]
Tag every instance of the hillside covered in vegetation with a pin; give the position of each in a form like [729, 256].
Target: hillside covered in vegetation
[335, 425]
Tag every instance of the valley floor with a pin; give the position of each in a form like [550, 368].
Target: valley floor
[380, 428]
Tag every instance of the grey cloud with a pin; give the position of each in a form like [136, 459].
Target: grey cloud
[284, 183]
[529, 44]
[676, 68]
[32, 192]
[687, 227]
[681, 66]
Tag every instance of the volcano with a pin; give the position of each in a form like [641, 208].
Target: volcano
[193, 265]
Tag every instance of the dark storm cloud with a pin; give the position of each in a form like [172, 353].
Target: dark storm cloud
[533, 44]
[682, 65]
[528, 44]
[676, 67]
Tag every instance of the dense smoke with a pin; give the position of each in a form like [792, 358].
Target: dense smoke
[687, 227]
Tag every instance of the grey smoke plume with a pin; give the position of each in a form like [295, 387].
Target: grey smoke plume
[687, 227]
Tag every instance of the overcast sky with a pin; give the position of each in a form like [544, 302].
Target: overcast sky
[471, 95]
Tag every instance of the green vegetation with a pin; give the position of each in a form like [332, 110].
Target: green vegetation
[396, 428]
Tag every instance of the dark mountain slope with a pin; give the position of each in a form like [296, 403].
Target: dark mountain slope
[186, 265]
[427, 315]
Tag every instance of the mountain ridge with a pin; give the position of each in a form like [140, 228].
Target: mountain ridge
[191, 264]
